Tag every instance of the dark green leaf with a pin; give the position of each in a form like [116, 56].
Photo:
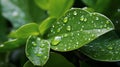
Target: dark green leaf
[61, 61]
[37, 50]
[77, 28]
[105, 48]
[28, 64]
[11, 44]
[97, 5]
[25, 31]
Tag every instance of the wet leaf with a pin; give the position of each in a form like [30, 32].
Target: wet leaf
[28, 64]
[37, 50]
[77, 28]
[105, 48]
[25, 31]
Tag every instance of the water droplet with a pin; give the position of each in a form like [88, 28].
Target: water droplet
[45, 57]
[85, 19]
[65, 35]
[105, 25]
[74, 13]
[39, 54]
[42, 45]
[81, 29]
[82, 18]
[107, 22]
[68, 28]
[15, 13]
[89, 39]
[56, 40]
[56, 48]
[78, 34]
[77, 43]
[110, 48]
[102, 50]
[53, 26]
[2, 45]
[99, 30]
[59, 29]
[83, 26]
[38, 39]
[92, 35]
[65, 49]
[97, 18]
[34, 44]
[118, 10]
[65, 19]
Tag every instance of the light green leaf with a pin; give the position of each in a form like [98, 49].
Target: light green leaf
[25, 31]
[58, 7]
[77, 28]
[55, 8]
[11, 44]
[105, 48]
[44, 4]
[21, 12]
[37, 50]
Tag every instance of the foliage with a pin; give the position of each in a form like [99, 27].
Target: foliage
[59, 33]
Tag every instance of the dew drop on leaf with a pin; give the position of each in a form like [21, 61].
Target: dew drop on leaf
[107, 22]
[34, 44]
[110, 48]
[56, 40]
[85, 19]
[74, 13]
[82, 18]
[2, 45]
[65, 19]
[97, 18]
[68, 28]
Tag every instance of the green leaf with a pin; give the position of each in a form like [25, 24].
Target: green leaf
[22, 12]
[77, 28]
[44, 4]
[55, 8]
[105, 48]
[37, 50]
[11, 44]
[25, 31]
[45, 25]
[95, 4]
[58, 7]
[61, 61]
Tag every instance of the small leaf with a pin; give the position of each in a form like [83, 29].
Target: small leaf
[77, 28]
[11, 44]
[25, 31]
[105, 48]
[37, 50]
